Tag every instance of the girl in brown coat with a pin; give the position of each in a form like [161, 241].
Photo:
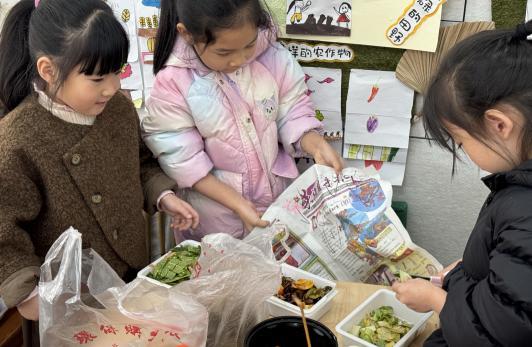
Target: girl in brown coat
[70, 145]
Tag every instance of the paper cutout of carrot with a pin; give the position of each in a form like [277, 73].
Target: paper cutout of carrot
[374, 91]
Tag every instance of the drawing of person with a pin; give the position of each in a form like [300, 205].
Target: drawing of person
[343, 11]
[299, 7]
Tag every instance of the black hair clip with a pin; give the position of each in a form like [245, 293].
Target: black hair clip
[521, 32]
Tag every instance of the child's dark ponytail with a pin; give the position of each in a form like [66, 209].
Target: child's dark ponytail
[522, 31]
[484, 71]
[77, 35]
[16, 69]
[166, 34]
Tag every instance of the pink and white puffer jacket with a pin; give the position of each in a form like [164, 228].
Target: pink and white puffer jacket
[242, 127]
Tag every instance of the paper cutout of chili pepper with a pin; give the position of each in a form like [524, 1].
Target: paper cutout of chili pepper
[327, 80]
[308, 92]
[372, 124]
[375, 163]
[374, 91]
[307, 77]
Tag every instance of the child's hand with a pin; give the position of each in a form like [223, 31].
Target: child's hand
[322, 152]
[30, 309]
[420, 295]
[448, 269]
[183, 215]
[250, 216]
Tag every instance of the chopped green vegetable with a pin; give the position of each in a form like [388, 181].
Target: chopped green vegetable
[381, 327]
[176, 267]
[403, 276]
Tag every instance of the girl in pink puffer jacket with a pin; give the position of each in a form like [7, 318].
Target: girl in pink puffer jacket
[228, 112]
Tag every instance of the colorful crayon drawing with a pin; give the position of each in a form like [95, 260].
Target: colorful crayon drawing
[374, 91]
[126, 71]
[344, 12]
[317, 17]
[372, 124]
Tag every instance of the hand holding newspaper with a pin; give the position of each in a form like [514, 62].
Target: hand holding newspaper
[342, 227]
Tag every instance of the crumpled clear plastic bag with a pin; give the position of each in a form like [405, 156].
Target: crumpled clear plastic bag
[83, 301]
[233, 279]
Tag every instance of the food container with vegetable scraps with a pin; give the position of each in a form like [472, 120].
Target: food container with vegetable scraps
[278, 307]
[350, 326]
[174, 270]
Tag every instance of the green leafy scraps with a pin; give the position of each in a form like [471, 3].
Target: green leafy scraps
[381, 327]
[176, 267]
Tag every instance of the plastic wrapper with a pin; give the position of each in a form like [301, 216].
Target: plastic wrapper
[233, 279]
[82, 301]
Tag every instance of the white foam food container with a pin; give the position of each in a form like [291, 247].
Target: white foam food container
[277, 307]
[144, 272]
[382, 297]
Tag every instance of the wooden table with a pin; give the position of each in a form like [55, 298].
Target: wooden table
[349, 296]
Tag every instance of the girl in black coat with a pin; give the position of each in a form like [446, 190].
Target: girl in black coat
[481, 101]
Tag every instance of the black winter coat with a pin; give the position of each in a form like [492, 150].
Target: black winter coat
[489, 294]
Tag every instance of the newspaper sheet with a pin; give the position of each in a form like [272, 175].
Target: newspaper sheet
[342, 227]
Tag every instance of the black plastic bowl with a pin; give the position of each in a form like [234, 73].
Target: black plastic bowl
[288, 332]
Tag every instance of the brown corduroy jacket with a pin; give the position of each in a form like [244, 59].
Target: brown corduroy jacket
[55, 174]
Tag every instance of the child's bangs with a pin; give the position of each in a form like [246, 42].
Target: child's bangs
[440, 108]
[104, 48]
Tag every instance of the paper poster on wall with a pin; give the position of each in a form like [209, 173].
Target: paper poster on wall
[375, 153]
[378, 92]
[391, 172]
[147, 24]
[377, 124]
[411, 20]
[147, 49]
[305, 52]
[369, 22]
[325, 90]
[377, 130]
[318, 17]
[124, 11]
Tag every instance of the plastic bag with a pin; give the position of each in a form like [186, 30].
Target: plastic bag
[233, 279]
[84, 302]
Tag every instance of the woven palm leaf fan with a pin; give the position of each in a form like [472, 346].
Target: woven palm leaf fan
[415, 69]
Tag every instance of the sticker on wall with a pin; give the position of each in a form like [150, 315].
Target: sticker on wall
[305, 52]
[318, 17]
[411, 20]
